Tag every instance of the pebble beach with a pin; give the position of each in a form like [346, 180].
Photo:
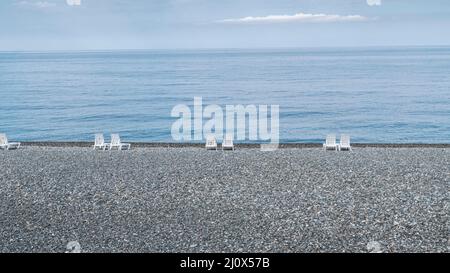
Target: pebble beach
[157, 199]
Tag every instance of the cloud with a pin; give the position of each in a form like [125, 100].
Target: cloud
[299, 17]
[37, 4]
[46, 4]
[374, 2]
[73, 2]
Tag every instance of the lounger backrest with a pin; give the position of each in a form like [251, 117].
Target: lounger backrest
[99, 139]
[115, 139]
[3, 139]
[331, 140]
[211, 141]
[345, 140]
[228, 140]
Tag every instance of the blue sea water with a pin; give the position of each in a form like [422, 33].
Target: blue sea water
[378, 95]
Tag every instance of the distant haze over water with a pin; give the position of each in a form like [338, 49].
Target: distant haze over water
[377, 95]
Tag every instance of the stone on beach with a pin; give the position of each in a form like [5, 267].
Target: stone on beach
[189, 199]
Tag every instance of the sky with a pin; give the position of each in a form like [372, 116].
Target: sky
[178, 24]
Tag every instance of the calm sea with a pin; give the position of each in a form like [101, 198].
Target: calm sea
[395, 95]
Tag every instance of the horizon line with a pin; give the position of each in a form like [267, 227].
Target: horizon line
[221, 48]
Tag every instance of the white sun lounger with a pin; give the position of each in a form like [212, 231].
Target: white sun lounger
[100, 142]
[116, 143]
[211, 143]
[330, 143]
[228, 142]
[345, 143]
[4, 144]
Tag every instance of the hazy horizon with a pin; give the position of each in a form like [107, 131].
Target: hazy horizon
[230, 48]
